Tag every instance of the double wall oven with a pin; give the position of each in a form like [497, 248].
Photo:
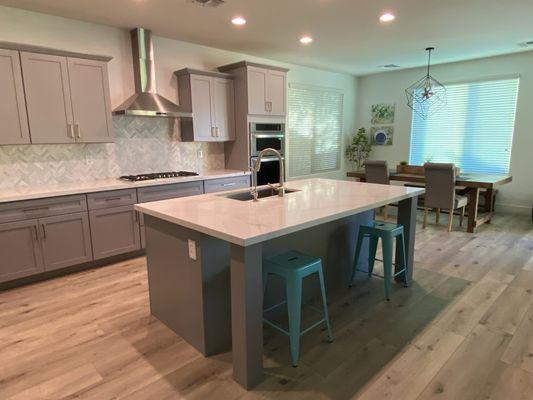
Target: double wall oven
[263, 136]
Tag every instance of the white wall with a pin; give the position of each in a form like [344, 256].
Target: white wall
[170, 55]
[389, 88]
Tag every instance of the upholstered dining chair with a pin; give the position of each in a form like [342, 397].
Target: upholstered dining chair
[377, 171]
[440, 192]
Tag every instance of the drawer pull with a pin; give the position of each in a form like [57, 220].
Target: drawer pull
[228, 184]
[28, 210]
[113, 198]
[35, 232]
[44, 231]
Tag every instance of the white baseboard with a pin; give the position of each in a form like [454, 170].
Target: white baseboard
[513, 208]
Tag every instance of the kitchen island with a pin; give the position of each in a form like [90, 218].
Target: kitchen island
[205, 256]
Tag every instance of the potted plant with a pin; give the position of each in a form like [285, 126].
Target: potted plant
[359, 149]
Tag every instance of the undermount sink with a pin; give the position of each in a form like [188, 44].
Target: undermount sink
[261, 193]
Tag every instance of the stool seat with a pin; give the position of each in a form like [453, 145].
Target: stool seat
[293, 266]
[381, 228]
[386, 231]
[293, 262]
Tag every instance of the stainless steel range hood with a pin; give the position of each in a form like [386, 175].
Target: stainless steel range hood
[146, 102]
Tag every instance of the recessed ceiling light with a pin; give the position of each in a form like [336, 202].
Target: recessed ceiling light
[238, 20]
[306, 39]
[387, 17]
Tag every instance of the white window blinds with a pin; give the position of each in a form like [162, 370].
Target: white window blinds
[474, 130]
[314, 129]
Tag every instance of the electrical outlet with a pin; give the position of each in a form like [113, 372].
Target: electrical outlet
[200, 154]
[192, 249]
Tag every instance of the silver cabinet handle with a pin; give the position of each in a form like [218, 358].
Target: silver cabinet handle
[218, 131]
[113, 198]
[70, 131]
[36, 237]
[136, 215]
[77, 130]
[43, 230]
[228, 184]
[212, 131]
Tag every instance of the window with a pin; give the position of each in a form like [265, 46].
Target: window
[474, 130]
[314, 130]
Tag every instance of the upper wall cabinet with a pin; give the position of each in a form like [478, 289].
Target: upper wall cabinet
[91, 105]
[14, 126]
[67, 99]
[266, 87]
[210, 97]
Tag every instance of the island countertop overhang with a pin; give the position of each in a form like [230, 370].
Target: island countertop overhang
[245, 223]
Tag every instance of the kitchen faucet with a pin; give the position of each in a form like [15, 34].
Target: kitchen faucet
[257, 166]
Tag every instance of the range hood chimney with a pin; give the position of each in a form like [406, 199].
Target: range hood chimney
[146, 102]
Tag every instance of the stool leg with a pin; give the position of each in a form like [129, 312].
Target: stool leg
[360, 238]
[325, 304]
[401, 243]
[372, 250]
[294, 306]
[387, 264]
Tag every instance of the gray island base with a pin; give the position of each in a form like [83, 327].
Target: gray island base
[205, 275]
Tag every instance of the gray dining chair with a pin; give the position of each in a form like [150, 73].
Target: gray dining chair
[440, 192]
[377, 171]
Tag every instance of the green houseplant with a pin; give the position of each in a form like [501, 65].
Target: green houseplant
[359, 149]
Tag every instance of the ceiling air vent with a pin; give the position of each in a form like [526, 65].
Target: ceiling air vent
[529, 43]
[209, 3]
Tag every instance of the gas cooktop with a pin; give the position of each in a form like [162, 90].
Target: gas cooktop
[157, 175]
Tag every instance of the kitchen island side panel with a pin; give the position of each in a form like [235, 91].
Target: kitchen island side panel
[192, 297]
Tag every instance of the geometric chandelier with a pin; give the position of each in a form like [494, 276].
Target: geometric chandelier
[427, 95]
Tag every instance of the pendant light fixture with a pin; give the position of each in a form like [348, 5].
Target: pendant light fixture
[427, 95]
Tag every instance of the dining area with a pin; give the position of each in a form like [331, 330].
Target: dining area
[448, 190]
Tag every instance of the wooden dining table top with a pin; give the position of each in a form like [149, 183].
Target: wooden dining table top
[485, 181]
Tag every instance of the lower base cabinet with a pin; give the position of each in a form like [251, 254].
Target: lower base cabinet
[66, 240]
[20, 250]
[114, 231]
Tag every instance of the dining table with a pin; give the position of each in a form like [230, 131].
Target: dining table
[470, 183]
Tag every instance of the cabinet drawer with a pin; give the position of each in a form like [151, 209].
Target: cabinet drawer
[115, 198]
[40, 208]
[220, 185]
[163, 192]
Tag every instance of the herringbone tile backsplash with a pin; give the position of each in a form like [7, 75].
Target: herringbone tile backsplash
[142, 144]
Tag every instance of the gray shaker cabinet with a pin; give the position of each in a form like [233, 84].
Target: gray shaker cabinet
[114, 231]
[210, 97]
[66, 240]
[91, 105]
[266, 91]
[20, 250]
[14, 126]
[47, 89]
[224, 103]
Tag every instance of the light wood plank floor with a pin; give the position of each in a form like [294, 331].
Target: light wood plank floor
[464, 330]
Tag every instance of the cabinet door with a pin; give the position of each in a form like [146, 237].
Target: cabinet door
[257, 84]
[14, 126]
[224, 109]
[89, 88]
[20, 250]
[203, 107]
[48, 101]
[114, 231]
[276, 93]
[66, 240]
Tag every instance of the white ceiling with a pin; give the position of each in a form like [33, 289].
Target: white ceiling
[348, 36]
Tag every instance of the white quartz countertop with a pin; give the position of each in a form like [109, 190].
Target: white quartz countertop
[100, 185]
[244, 223]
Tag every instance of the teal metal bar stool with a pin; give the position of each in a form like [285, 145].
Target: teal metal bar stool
[293, 267]
[387, 232]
